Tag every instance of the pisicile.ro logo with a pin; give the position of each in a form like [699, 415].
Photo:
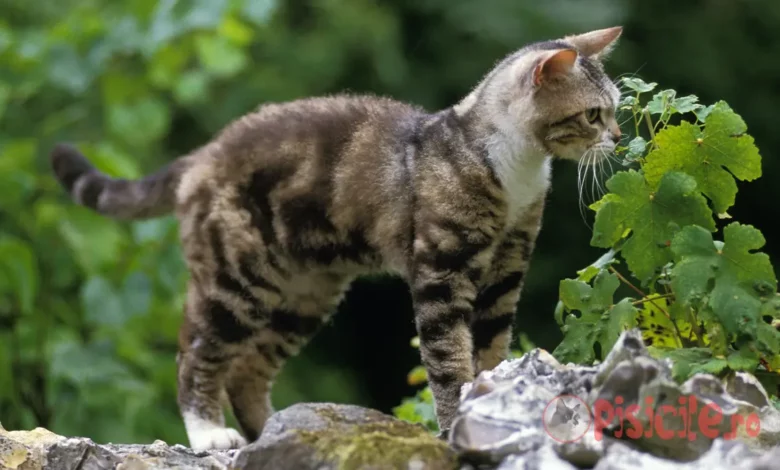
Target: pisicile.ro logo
[567, 418]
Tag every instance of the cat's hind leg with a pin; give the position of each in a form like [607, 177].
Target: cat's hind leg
[307, 305]
[205, 354]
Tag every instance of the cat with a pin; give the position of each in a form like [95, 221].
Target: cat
[288, 204]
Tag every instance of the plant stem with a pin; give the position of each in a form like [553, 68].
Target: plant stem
[646, 299]
[649, 122]
[626, 281]
[636, 121]
[652, 301]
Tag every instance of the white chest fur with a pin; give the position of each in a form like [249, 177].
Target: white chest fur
[525, 176]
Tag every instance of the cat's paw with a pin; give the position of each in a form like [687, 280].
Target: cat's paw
[444, 434]
[216, 439]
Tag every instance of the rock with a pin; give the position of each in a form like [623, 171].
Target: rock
[506, 420]
[528, 413]
[585, 423]
[330, 436]
[40, 449]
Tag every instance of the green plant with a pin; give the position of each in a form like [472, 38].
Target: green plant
[419, 408]
[709, 304]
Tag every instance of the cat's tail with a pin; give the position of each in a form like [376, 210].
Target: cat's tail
[151, 196]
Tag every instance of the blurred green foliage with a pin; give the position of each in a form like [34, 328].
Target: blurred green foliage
[89, 308]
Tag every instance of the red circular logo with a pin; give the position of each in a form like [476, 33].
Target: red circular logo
[566, 418]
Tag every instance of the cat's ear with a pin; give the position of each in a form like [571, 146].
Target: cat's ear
[596, 44]
[554, 64]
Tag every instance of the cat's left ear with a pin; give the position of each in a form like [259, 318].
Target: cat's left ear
[554, 64]
[596, 44]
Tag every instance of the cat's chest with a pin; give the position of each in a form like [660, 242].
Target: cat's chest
[523, 185]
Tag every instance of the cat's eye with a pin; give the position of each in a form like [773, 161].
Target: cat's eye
[592, 114]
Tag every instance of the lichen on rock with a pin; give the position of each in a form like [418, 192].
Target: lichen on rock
[389, 444]
[344, 437]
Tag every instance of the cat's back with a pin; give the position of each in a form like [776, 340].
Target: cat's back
[299, 168]
[317, 125]
[311, 138]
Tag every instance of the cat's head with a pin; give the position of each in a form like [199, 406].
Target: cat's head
[557, 94]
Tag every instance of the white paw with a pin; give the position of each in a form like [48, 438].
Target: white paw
[216, 439]
[207, 435]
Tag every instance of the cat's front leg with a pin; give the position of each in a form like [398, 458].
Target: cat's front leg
[443, 291]
[496, 304]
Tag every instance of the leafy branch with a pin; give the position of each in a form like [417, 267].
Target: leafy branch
[710, 305]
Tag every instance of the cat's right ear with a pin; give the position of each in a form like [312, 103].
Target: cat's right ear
[554, 64]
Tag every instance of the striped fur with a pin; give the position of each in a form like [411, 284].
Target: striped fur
[283, 209]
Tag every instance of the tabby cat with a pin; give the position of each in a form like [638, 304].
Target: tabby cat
[283, 209]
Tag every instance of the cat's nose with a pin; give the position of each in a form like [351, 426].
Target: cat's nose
[615, 133]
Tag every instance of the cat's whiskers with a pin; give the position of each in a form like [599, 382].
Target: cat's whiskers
[580, 186]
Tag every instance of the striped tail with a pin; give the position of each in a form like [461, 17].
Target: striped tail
[148, 197]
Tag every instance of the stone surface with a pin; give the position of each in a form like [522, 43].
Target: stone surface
[329, 436]
[499, 420]
[40, 449]
[529, 413]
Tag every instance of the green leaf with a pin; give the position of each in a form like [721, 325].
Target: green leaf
[743, 360]
[686, 104]
[418, 409]
[703, 112]
[636, 148]
[638, 85]
[95, 240]
[140, 122]
[724, 279]
[136, 296]
[5, 95]
[599, 321]
[236, 31]
[652, 217]
[707, 155]
[620, 318]
[102, 303]
[259, 11]
[417, 376]
[219, 56]
[192, 87]
[167, 64]
[87, 365]
[67, 69]
[666, 325]
[627, 102]
[770, 306]
[690, 361]
[19, 271]
[768, 343]
[661, 102]
[111, 160]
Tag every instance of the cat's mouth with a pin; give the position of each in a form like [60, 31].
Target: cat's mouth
[597, 154]
[593, 168]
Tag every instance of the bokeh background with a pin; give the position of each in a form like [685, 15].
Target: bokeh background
[89, 308]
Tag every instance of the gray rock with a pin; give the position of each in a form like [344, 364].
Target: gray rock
[722, 454]
[330, 436]
[499, 423]
[506, 419]
[40, 449]
[528, 413]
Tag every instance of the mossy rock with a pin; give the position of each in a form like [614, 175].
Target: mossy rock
[344, 437]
